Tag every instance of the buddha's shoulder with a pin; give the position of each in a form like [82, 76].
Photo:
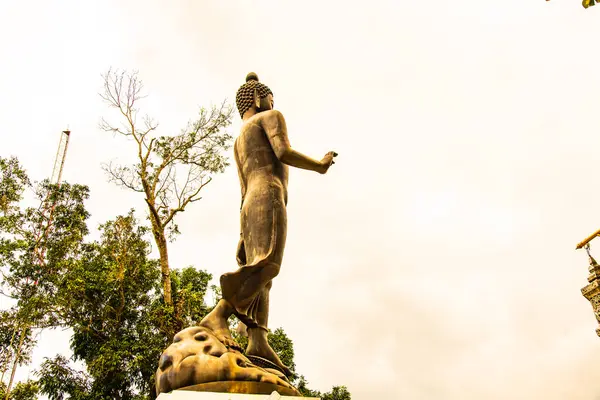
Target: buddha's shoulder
[263, 120]
[269, 115]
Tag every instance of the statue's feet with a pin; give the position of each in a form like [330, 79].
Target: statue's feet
[258, 346]
[230, 282]
[216, 321]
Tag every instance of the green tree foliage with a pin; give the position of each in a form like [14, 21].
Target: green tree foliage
[301, 385]
[588, 3]
[284, 347]
[190, 287]
[108, 292]
[34, 254]
[107, 298]
[37, 246]
[59, 381]
[337, 393]
[10, 324]
[27, 390]
[13, 184]
[113, 303]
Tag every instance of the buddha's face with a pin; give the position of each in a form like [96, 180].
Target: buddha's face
[197, 356]
[266, 103]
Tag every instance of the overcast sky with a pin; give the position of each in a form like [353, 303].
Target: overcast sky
[436, 258]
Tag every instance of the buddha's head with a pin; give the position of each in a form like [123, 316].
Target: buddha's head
[253, 94]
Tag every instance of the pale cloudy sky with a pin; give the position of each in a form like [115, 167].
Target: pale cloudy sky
[436, 259]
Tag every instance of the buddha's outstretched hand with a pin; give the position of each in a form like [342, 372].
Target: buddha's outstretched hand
[327, 161]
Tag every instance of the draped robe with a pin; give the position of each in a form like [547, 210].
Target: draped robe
[263, 223]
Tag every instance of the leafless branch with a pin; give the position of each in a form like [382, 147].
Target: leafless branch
[189, 199]
[193, 155]
[166, 180]
[107, 127]
[123, 176]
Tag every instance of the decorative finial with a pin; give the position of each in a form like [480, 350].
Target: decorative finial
[252, 77]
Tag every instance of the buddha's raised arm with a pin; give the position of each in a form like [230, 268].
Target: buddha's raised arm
[274, 126]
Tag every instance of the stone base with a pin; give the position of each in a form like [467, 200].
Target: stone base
[241, 387]
[236, 390]
[199, 361]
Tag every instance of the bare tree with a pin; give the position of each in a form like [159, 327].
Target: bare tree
[170, 171]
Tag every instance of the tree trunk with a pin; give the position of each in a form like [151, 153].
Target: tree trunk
[14, 367]
[161, 241]
[165, 271]
[12, 340]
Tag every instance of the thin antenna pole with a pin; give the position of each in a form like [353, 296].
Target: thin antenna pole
[59, 163]
[61, 154]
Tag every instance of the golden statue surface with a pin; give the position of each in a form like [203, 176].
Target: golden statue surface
[263, 155]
